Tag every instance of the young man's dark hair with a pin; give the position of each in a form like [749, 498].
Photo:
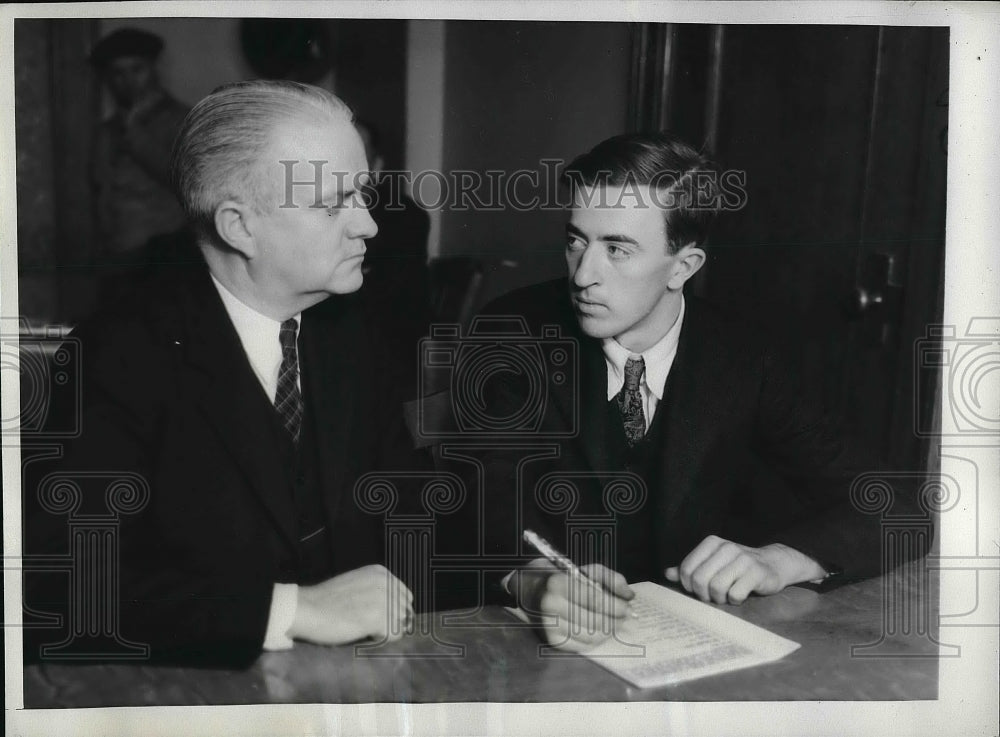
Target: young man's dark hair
[683, 181]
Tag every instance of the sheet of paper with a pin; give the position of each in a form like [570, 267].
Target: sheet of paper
[677, 638]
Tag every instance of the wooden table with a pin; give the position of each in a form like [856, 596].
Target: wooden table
[491, 656]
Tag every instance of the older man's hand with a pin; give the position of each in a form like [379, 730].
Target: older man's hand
[365, 602]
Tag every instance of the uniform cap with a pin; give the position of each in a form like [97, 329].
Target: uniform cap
[126, 42]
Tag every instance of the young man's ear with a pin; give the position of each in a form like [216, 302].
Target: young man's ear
[234, 224]
[688, 261]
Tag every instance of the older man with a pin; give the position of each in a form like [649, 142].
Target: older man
[248, 401]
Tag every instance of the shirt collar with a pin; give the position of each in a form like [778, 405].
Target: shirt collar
[252, 327]
[258, 334]
[658, 359]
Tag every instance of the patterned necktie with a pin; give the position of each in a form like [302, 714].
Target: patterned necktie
[288, 398]
[630, 401]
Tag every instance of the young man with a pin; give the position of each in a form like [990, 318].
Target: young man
[737, 483]
[245, 400]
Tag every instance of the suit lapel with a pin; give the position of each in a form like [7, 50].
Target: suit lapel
[694, 406]
[593, 405]
[582, 400]
[224, 387]
[331, 378]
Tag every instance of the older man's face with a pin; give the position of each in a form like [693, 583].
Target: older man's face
[311, 243]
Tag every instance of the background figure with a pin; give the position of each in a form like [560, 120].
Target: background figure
[131, 156]
[396, 273]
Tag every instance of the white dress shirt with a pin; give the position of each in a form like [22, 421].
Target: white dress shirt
[658, 359]
[259, 336]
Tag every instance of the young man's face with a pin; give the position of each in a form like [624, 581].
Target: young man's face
[624, 283]
[306, 253]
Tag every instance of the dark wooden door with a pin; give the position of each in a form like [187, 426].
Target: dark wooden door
[839, 247]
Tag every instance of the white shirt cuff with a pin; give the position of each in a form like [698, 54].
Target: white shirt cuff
[284, 602]
[506, 583]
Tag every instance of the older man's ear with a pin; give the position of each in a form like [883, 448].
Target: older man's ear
[234, 224]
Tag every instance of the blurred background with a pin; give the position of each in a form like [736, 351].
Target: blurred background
[444, 95]
[841, 132]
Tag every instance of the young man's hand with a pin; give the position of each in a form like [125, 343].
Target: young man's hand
[572, 615]
[725, 572]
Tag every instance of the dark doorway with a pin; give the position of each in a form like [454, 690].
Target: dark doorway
[839, 246]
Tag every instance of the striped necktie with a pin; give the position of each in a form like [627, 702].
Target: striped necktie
[630, 401]
[288, 398]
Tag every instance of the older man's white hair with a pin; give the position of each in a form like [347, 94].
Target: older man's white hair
[218, 152]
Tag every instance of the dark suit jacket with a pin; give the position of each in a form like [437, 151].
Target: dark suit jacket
[168, 394]
[743, 452]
